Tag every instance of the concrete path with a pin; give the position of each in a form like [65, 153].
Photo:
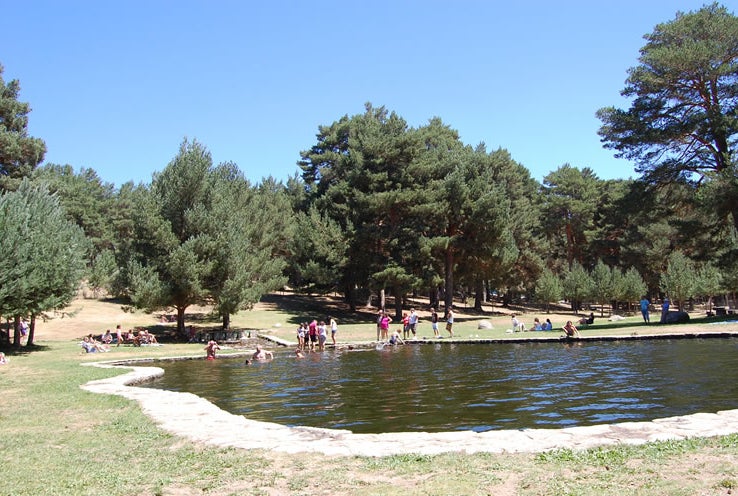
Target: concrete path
[197, 419]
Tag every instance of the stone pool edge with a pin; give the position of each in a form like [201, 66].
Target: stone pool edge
[195, 418]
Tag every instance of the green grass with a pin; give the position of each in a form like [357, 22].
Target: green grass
[71, 442]
[74, 442]
[58, 439]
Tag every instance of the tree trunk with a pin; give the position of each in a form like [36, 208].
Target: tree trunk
[433, 297]
[449, 278]
[570, 245]
[181, 320]
[382, 299]
[31, 330]
[350, 296]
[226, 321]
[16, 332]
[398, 302]
[478, 294]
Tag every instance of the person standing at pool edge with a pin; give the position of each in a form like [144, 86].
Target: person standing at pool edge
[334, 329]
[413, 322]
[322, 336]
[384, 325]
[434, 322]
[312, 334]
[450, 320]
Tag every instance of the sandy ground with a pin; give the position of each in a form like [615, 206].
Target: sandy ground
[86, 316]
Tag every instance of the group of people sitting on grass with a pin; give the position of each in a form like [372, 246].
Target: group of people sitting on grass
[519, 326]
[91, 345]
[569, 328]
[141, 338]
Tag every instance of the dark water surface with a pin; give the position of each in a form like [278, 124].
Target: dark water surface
[479, 387]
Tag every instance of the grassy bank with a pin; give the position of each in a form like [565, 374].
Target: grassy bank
[58, 439]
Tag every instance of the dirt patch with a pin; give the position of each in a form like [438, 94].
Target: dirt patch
[85, 316]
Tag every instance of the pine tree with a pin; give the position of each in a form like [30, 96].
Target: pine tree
[19, 153]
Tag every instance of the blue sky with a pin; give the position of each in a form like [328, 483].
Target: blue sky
[117, 86]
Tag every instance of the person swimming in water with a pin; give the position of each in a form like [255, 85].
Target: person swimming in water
[261, 354]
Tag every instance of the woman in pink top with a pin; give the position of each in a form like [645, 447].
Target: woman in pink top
[384, 326]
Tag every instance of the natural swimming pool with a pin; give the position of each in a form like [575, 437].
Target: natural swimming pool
[444, 386]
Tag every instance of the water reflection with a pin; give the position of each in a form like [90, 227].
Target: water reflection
[471, 387]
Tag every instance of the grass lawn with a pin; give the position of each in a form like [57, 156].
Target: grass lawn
[60, 440]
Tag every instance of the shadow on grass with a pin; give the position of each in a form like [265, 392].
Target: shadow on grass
[306, 308]
[11, 350]
[604, 324]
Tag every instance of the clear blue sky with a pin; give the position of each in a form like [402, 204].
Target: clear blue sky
[117, 86]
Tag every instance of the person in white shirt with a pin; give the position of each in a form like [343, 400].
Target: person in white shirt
[517, 325]
[413, 322]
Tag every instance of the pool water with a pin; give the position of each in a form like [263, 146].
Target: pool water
[444, 386]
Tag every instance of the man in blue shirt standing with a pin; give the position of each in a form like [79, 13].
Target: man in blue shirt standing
[644, 309]
[664, 309]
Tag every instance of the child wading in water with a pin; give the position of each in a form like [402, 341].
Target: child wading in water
[211, 348]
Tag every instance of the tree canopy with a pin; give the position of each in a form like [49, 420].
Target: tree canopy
[43, 253]
[19, 153]
[203, 234]
[382, 207]
[417, 206]
[683, 119]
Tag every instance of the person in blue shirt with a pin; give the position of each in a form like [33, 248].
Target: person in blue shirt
[644, 309]
[664, 309]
